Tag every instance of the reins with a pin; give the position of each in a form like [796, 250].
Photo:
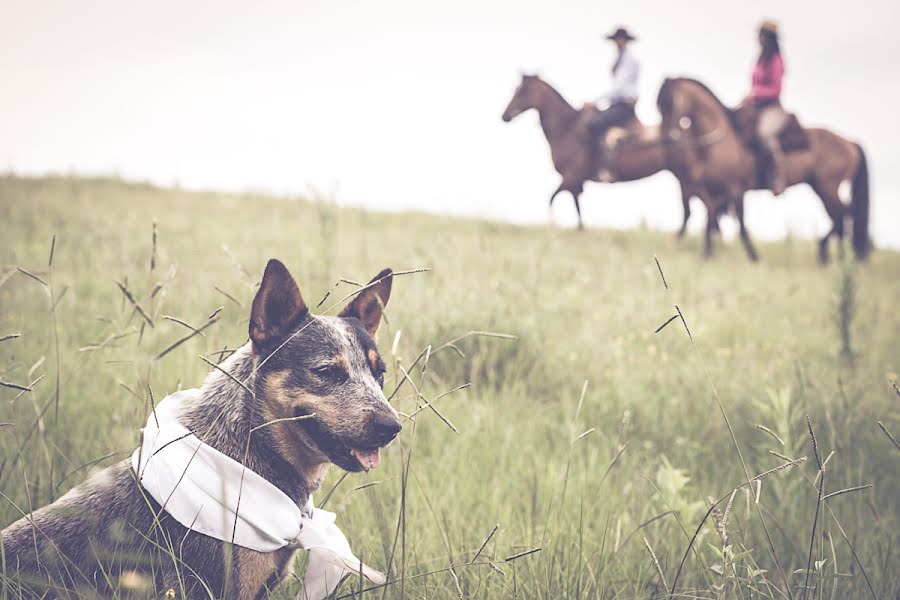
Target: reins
[697, 141]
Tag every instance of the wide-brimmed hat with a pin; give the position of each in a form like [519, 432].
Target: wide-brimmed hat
[621, 33]
[769, 26]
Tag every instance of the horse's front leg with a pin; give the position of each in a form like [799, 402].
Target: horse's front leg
[576, 196]
[686, 204]
[745, 237]
[550, 220]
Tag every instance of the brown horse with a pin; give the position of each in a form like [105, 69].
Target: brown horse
[570, 150]
[703, 132]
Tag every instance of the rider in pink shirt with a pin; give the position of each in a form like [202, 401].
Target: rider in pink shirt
[765, 94]
[766, 82]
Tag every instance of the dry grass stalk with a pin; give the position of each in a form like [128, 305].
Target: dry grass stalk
[459, 591]
[485, 543]
[723, 526]
[28, 273]
[180, 341]
[663, 326]
[815, 443]
[662, 576]
[661, 274]
[521, 554]
[888, 433]
[226, 294]
[789, 463]
[847, 491]
[14, 386]
[137, 305]
[496, 569]
[821, 490]
[770, 432]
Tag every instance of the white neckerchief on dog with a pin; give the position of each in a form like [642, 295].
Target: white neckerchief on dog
[212, 493]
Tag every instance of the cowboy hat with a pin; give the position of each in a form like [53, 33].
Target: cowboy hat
[621, 33]
[770, 26]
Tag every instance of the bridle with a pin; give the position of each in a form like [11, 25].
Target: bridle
[677, 135]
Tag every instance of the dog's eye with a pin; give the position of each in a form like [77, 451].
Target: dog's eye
[330, 373]
[379, 372]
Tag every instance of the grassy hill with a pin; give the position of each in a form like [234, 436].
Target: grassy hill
[588, 436]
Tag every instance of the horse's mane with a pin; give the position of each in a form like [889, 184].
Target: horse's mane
[553, 90]
[664, 100]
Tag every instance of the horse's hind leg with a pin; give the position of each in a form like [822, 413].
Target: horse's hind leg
[710, 226]
[745, 237]
[714, 206]
[823, 247]
[831, 200]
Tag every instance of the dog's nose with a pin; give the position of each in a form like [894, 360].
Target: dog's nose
[386, 426]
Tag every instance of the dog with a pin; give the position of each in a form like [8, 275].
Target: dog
[328, 369]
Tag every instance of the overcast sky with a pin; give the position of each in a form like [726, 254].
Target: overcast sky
[396, 104]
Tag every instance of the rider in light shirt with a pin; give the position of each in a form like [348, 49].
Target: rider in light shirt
[623, 93]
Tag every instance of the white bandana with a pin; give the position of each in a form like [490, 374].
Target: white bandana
[212, 493]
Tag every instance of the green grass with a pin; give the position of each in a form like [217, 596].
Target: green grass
[771, 338]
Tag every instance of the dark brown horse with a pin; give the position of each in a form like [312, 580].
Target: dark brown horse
[570, 150]
[703, 134]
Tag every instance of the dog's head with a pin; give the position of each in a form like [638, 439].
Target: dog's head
[326, 367]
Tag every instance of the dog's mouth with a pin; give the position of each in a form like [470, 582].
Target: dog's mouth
[368, 458]
[351, 454]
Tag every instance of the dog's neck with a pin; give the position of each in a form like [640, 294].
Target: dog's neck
[224, 417]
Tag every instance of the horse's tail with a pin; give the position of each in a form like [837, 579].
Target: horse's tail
[859, 204]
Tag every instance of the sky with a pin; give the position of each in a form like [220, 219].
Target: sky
[396, 104]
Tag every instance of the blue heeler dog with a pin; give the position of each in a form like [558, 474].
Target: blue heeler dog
[296, 364]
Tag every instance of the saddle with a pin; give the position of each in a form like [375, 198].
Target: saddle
[793, 136]
[630, 131]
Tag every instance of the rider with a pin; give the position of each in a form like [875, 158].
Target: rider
[765, 94]
[623, 93]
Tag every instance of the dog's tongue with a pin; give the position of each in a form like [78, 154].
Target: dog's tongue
[369, 459]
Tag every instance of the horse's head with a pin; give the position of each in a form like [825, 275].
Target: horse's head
[674, 107]
[688, 106]
[525, 97]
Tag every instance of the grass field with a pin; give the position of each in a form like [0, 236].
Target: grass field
[588, 436]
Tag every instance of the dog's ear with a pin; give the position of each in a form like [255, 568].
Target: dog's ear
[369, 303]
[277, 307]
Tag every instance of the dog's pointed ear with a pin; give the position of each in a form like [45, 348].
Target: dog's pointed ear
[277, 307]
[369, 304]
